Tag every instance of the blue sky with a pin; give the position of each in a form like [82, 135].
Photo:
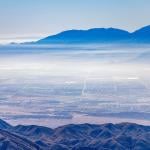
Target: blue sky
[33, 19]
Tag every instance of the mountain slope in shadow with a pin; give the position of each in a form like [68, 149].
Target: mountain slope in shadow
[11, 141]
[76, 137]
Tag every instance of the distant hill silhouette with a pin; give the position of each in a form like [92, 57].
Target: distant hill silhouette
[99, 35]
[108, 136]
[142, 35]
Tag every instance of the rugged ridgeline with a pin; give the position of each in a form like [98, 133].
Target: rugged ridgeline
[75, 137]
[99, 35]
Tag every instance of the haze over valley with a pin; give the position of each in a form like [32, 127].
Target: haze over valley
[61, 84]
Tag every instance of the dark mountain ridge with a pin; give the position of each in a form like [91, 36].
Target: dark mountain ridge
[99, 35]
[109, 136]
[4, 125]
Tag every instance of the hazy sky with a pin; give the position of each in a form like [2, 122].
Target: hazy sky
[32, 19]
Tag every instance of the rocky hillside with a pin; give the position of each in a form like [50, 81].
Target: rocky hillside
[122, 136]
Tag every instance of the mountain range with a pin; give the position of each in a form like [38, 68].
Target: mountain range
[123, 136]
[98, 35]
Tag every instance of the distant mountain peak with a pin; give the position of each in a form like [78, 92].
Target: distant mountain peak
[95, 35]
[144, 29]
[142, 35]
[98, 36]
